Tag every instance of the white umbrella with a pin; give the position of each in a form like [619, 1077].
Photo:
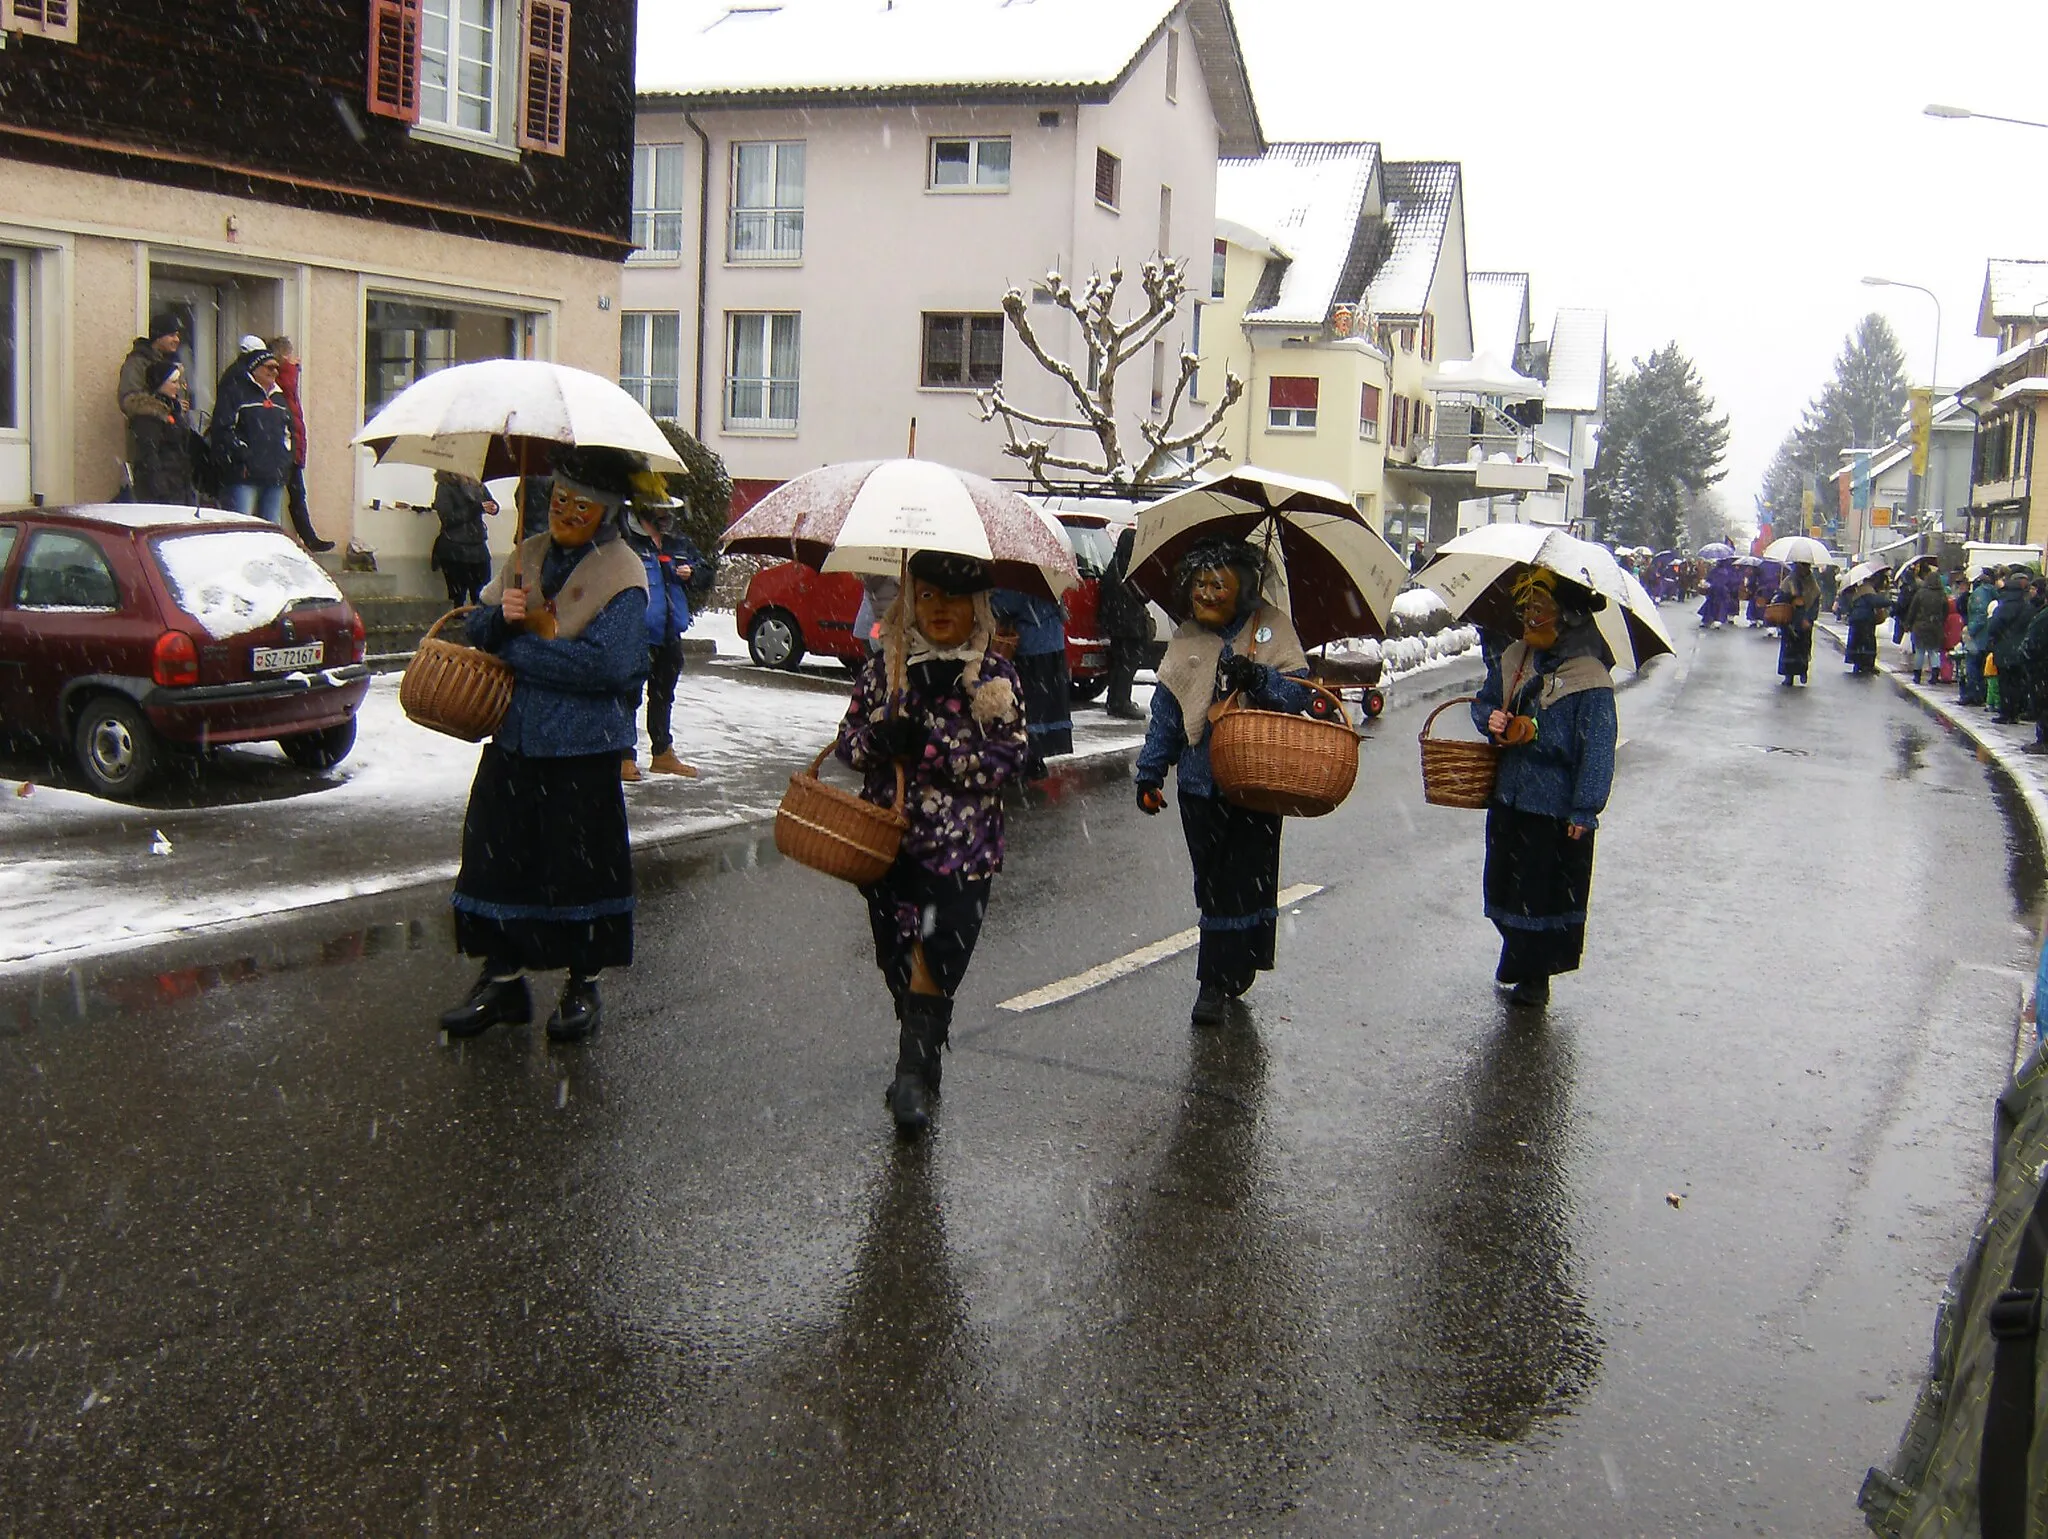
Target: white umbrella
[1799, 547]
[1468, 570]
[502, 417]
[869, 515]
[1334, 574]
[1716, 550]
[1863, 571]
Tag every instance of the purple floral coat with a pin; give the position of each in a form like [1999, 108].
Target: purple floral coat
[955, 789]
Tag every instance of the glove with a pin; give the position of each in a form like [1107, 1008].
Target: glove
[1520, 729]
[1239, 675]
[903, 737]
[1151, 800]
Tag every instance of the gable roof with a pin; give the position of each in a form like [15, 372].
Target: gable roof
[1306, 201]
[1500, 313]
[2015, 289]
[1418, 198]
[791, 52]
[1578, 362]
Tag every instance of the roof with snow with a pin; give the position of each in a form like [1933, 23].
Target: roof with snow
[1578, 361]
[784, 52]
[2015, 289]
[1305, 201]
[1418, 199]
[1500, 313]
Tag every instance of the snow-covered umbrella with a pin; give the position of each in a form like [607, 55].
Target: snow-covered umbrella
[1799, 547]
[1716, 550]
[1468, 572]
[1863, 571]
[1339, 576]
[504, 416]
[869, 515]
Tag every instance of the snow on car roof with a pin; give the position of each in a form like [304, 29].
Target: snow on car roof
[157, 515]
[238, 580]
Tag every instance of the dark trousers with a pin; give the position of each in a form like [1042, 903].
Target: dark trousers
[1125, 653]
[664, 667]
[1235, 853]
[302, 514]
[911, 907]
[465, 581]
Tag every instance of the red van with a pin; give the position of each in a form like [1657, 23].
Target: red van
[790, 610]
[129, 629]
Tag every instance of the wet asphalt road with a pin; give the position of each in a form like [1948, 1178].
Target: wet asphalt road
[1373, 1261]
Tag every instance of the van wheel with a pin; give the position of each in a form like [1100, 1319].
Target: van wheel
[775, 640]
[320, 750]
[1086, 689]
[116, 748]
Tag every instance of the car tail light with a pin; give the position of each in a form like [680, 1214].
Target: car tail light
[359, 636]
[175, 660]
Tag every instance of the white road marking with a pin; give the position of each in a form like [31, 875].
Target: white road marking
[1131, 961]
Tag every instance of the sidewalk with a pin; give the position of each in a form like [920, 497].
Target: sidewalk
[81, 877]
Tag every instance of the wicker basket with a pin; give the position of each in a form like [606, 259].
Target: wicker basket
[1779, 613]
[836, 832]
[1456, 773]
[1004, 645]
[1275, 761]
[455, 689]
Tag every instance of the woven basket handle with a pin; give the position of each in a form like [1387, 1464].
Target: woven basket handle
[453, 614]
[1231, 703]
[819, 763]
[1423, 736]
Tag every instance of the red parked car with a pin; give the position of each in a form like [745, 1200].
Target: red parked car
[790, 610]
[130, 629]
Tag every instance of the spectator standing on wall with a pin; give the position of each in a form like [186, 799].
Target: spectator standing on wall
[251, 436]
[295, 485]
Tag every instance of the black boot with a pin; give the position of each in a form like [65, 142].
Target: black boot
[1530, 994]
[577, 1015]
[495, 1001]
[1211, 1005]
[926, 1019]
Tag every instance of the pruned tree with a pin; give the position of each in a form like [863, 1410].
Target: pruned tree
[1167, 455]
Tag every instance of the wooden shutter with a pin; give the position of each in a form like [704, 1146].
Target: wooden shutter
[544, 78]
[395, 59]
[56, 20]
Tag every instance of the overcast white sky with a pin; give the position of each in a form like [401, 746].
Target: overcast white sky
[1719, 175]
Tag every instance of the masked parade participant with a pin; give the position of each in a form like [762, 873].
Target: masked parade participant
[1232, 643]
[935, 697]
[1548, 702]
[547, 876]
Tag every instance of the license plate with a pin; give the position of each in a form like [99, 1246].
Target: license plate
[1094, 659]
[277, 659]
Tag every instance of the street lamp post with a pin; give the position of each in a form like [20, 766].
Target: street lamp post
[1913, 487]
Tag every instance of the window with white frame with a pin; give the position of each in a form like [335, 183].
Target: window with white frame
[962, 351]
[1159, 376]
[657, 202]
[650, 361]
[1165, 221]
[1109, 178]
[763, 354]
[1195, 347]
[969, 165]
[1172, 64]
[767, 202]
[1291, 403]
[1369, 411]
[406, 338]
[459, 71]
[1219, 264]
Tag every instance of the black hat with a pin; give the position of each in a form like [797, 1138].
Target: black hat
[162, 370]
[165, 325]
[957, 575]
[608, 472]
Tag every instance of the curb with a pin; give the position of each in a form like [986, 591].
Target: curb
[2000, 756]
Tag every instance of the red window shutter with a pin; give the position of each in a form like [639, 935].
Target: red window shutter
[1288, 392]
[544, 78]
[1369, 403]
[395, 59]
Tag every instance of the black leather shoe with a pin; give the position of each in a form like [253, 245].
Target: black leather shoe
[910, 1102]
[1530, 994]
[577, 1015]
[493, 1002]
[1212, 1005]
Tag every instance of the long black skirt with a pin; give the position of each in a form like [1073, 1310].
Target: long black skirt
[911, 906]
[1048, 704]
[1861, 647]
[547, 872]
[1795, 651]
[1538, 880]
[1236, 855]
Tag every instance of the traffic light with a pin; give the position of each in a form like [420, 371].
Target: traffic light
[1922, 405]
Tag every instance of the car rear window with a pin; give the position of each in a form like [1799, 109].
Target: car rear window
[237, 580]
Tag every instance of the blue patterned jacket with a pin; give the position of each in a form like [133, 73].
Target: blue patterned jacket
[1568, 770]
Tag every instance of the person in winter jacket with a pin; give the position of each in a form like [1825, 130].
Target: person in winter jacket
[678, 575]
[462, 550]
[1548, 702]
[2006, 633]
[160, 444]
[2034, 660]
[1927, 619]
[295, 485]
[1976, 642]
[940, 703]
[1231, 643]
[547, 872]
[1863, 604]
[133, 391]
[1128, 625]
[251, 436]
[1041, 627]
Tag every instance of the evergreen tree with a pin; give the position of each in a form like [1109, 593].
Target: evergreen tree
[1661, 443]
[1863, 406]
